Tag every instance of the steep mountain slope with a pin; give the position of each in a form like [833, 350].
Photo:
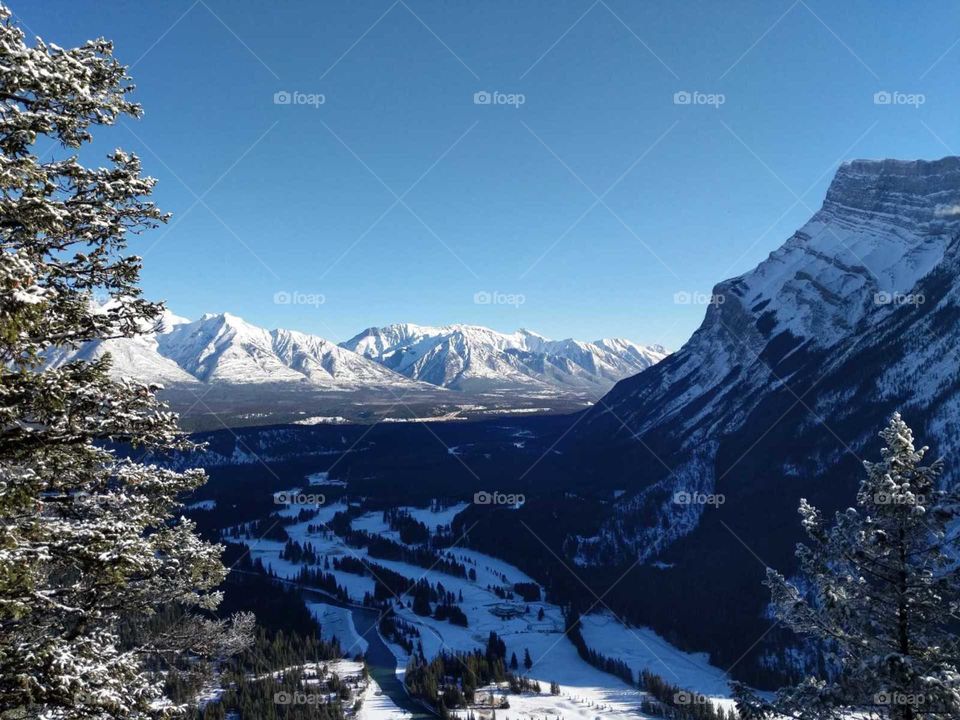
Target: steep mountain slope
[225, 349]
[813, 302]
[469, 357]
[777, 396]
[133, 357]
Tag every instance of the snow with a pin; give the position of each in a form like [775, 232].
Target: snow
[586, 691]
[642, 648]
[337, 622]
[431, 518]
[373, 523]
[322, 420]
[573, 703]
[378, 706]
[224, 348]
[323, 478]
[461, 356]
[202, 505]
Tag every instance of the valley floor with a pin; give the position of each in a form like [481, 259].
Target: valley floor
[585, 691]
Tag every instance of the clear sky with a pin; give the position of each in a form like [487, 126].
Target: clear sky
[578, 202]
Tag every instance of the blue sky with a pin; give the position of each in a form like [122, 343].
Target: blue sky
[580, 212]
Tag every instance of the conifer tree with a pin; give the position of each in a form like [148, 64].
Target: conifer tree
[89, 547]
[879, 592]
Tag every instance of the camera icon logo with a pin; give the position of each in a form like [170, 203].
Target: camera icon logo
[482, 97]
[282, 97]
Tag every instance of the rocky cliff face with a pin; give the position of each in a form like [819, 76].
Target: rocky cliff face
[780, 392]
[871, 275]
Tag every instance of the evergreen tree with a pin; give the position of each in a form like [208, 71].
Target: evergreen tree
[880, 590]
[527, 660]
[88, 547]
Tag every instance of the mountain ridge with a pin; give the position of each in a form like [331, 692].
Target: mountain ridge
[461, 356]
[777, 396]
[224, 349]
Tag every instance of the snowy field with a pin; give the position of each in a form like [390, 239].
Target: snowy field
[323, 478]
[585, 691]
[573, 703]
[337, 622]
[376, 705]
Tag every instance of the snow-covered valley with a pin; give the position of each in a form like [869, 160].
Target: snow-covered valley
[487, 595]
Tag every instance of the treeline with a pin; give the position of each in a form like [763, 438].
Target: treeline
[530, 592]
[399, 632]
[268, 528]
[390, 585]
[290, 695]
[298, 553]
[412, 531]
[614, 666]
[384, 548]
[285, 641]
[450, 680]
[324, 581]
[381, 547]
[666, 701]
[674, 703]
[387, 584]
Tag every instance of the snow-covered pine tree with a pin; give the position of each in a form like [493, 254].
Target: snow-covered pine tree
[882, 600]
[88, 542]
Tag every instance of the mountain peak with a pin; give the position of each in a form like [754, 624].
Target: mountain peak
[884, 224]
[901, 192]
[474, 357]
[894, 166]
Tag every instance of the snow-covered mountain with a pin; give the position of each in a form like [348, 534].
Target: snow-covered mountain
[864, 262]
[780, 393]
[138, 357]
[225, 349]
[470, 357]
